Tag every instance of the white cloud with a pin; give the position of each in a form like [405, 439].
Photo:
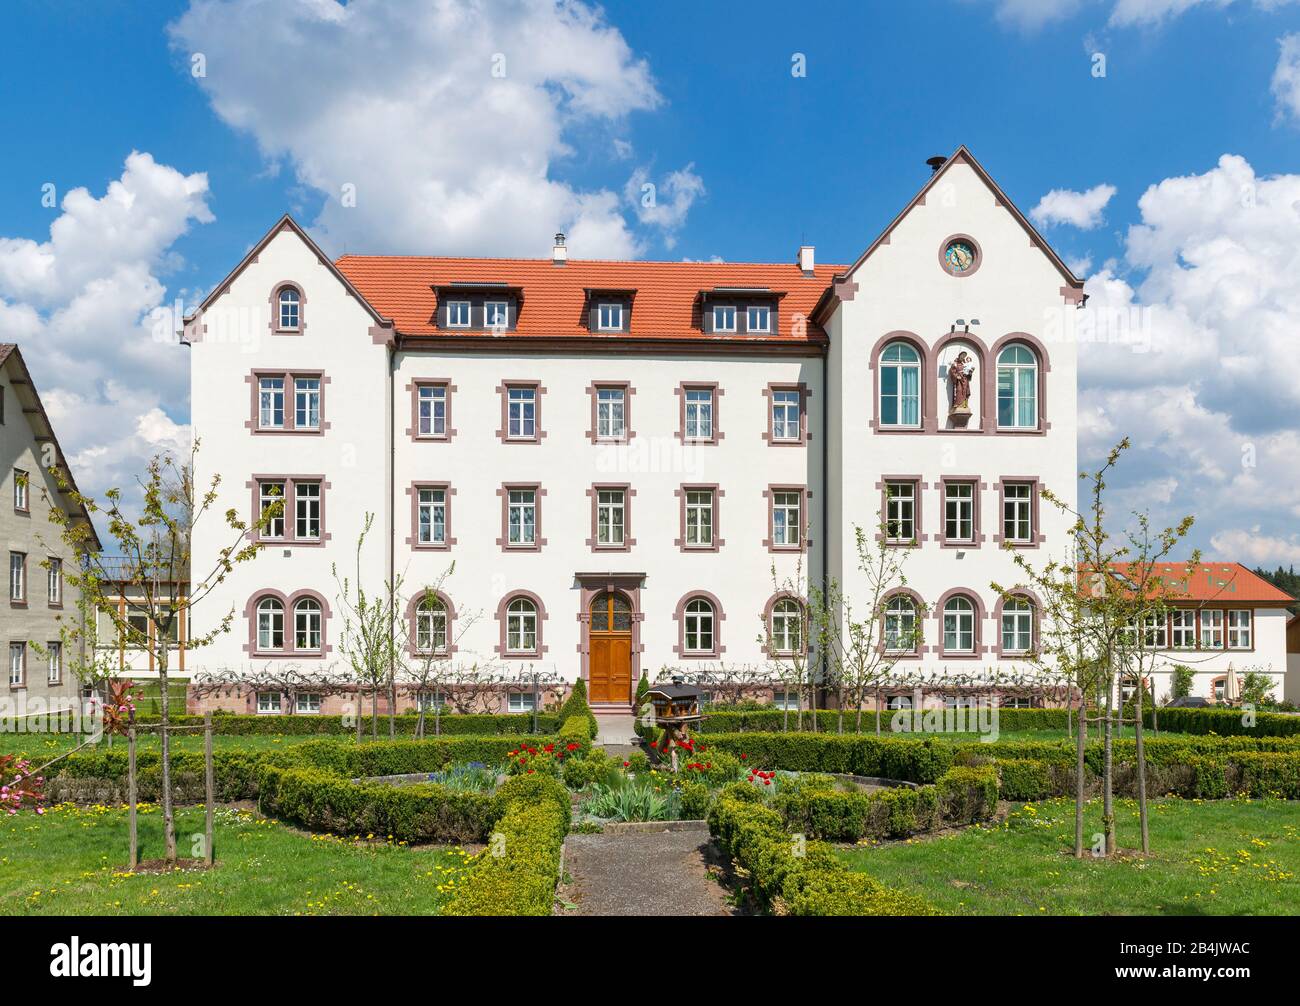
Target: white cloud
[448, 119]
[1286, 78]
[81, 307]
[1254, 549]
[666, 203]
[1031, 15]
[1077, 209]
[1206, 391]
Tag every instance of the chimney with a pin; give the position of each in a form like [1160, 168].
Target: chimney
[936, 163]
[559, 254]
[806, 258]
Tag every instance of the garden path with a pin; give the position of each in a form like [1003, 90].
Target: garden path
[652, 869]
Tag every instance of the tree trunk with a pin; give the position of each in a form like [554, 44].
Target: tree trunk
[392, 709]
[1080, 772]
[877, 710]
[1108, 771]
[169, 816]
[358, 712]
[374, 712]
[1142, 774]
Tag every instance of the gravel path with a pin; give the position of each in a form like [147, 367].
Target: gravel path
[632, 872]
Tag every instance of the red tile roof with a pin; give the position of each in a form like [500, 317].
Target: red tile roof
[665, 305]
[1223, 582]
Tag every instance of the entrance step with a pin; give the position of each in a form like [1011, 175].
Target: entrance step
[614, 727]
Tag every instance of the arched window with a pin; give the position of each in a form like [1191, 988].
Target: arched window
[1017, 626]
[787, 626]
[306, 624]
[431, 626]
[900, 385]
[698, 629]
[270, 624]
[289, 305]
[611, 611]
[1017, 388]
[900, 624]
[959, 625]
[521, 626]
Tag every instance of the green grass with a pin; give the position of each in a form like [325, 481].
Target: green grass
[70, 861]
[1224, 857]
[49, 745]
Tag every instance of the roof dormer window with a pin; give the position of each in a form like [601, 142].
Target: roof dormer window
[758, 318]
[724, 318]
[496, 314]
[458, 313]
[609, 317]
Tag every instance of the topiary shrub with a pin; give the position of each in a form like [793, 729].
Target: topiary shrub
[576, 705]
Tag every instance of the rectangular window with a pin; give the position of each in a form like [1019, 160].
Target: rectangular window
[17, 664]
[496, 314]
[270, 403]
[431, 408]
[785, 519]
[959, 511]
[306, 403]
[306, 505]
[522, 702]
[1155, 636]
[54, 582]
[54, 650]
[610, 516]
[21, 481]
[699, 414]
[1211, 629]
[758, 319]
[521, 520]
[611, 413]
[272, 495]
[1017, 512]
[137, 628]
[1239, 629]
[786, 419]
[432, 517]
[17, 576]
[699, 517]
[1182, 628]
[900, 512]
[724, 318]
[522, 415]
[307, 703]
[785, 700]
[609, 317]
[268, 702]
[458, 314]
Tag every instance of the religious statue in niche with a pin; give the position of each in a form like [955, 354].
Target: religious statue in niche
[960, 373]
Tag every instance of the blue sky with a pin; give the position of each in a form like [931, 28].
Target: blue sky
[300, 97]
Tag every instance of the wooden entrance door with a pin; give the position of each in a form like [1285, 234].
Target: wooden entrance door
[609, 664]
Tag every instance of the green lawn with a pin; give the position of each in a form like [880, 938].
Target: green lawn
[70, 861]
[45, 746]
[1223, 857]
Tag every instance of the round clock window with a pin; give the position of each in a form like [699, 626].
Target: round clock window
[959, 256]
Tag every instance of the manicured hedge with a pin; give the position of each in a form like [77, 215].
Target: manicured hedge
[454, 724]
[787, 883]
[1224, 722]
[906, 758]
[517, 873]
[961, 796]
[721, 721]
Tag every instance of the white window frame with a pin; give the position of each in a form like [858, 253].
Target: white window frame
[521, 518]
[1240, 629]
[699, 518]
[699, 622]
[521, 702]
[787, 414]
[266, 497]
[289, 298]
[898, 367]
[959, 512]
[306, 402]
[54, 654]
[22, 494]
[458, 309]
[270, 620]
[1018, 512]
[698, 414]
[308, 612]
[1015, 370]
[521, 626]
[307, 497]
[900, 512]
[963, 619]
[787, 518]
[611, 517]
[269, 703]
[900, 625]
[17, 664]
[431, 626]
[431, 516]
[724, 317]
[1182, 628]
[609, 316]
[1155, 632]
[307, 703]
[18, 576]
[431, 421]
[758, 310]
[785, 700]
[496, 314]
[1211, 629]
[1017, 625]
[271, 390]
[521, 412]
[54, 581]
[611, 413]
[787, 626]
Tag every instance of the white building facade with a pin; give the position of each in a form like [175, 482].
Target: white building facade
[608, 468]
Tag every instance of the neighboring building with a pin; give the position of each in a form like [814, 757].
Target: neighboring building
[1223, 619]
[1292, 690]
[616, 455]
[39, 596]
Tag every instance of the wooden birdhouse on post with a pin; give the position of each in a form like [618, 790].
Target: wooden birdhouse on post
[676, 706]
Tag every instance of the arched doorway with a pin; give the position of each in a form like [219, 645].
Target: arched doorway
[610, 662]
